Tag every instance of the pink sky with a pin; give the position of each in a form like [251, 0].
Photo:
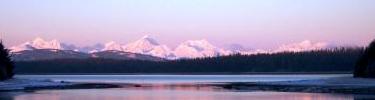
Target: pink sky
[252, 23]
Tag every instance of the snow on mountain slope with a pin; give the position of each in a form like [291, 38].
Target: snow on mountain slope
[91, 49]
[253, 52]
[112, 46]
[306, 45]
[37, 43]
[143, 45]
[198, 48]
[149, 46]
[163, 51]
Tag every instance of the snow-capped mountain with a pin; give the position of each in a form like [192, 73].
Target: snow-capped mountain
[145, 45]
[112, 46]
[149, 46]
[40, 43]
[306, 45]
[37, 43]
[198, 48]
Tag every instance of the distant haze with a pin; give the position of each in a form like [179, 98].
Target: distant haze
[251, 23]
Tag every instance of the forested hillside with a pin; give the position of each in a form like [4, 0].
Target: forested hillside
[332, 60]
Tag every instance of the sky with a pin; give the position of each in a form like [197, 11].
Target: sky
[251, 23]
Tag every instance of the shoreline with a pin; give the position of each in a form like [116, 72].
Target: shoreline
[342, 85]
[203, 73]
[12, 85]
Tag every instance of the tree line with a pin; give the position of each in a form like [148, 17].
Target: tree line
[329, 60]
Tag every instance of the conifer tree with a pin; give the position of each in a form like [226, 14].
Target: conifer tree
[365, 66]
[6, 64]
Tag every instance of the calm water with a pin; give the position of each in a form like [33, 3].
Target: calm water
[173, 79]
[173, 87]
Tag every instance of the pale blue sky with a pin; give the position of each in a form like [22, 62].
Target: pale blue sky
[252, 23]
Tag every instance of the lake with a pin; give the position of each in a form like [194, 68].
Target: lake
[173, 87]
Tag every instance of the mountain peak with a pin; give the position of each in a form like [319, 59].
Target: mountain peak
[305, 45]
[147, 40]
[197, 41]
[110, 43]
[38, 39]
[198, 48]
[146, 36]
[37, 43]
[203, 43]
[148, 45]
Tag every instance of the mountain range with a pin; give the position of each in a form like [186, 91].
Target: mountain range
[147, 48]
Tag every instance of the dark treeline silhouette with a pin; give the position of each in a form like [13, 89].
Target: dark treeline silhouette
[365, 66]
[6, 64]
[336, 60]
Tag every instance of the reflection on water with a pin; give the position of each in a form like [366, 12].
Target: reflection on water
[170, 92]
[155, 79]
[172, 87]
